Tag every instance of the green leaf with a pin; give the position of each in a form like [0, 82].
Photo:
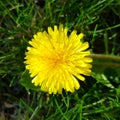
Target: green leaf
[102, 78]
[26, 81]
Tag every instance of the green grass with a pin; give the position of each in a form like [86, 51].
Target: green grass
[99, 96]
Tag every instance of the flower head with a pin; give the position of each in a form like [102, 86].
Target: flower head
[56, 61]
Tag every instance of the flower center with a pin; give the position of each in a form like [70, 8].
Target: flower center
[57, 60]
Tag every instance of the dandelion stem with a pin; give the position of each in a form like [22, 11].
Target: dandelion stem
[107, 57]
[106, 60]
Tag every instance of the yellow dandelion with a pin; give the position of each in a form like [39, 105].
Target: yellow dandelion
[56, 61]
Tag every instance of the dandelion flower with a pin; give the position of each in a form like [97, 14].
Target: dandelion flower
[57, 60]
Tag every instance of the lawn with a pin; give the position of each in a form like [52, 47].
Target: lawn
[99, 95]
